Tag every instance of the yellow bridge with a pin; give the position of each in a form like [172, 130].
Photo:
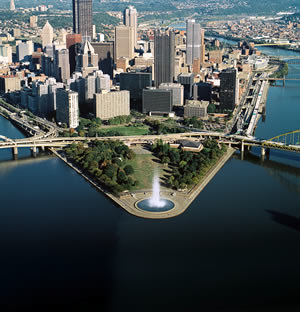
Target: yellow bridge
[289, 141]
[271, 44]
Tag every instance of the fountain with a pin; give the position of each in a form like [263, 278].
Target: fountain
[155, 200]
[155, 203]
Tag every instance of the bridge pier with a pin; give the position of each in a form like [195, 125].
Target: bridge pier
[33, 151]
[264, 152]
[15, 152]
[43, 148]
[242, 150]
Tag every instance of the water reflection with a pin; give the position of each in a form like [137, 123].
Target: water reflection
[285, 219]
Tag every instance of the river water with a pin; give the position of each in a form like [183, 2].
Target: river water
[235, 249]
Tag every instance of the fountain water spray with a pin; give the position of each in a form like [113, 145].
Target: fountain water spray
[155, 200]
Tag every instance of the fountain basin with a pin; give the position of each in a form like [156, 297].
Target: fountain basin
[147, 205]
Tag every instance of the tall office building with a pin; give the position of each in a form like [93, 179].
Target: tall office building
[135, 83]
[202, 91]
[124, 41]
[67, 110]
[83, 18]
[202, 53]
[5, 54]
[187, 80]
[87, 60]
[33, 21]
[24, 50]
[47, 35]
[105, 51]
[62, 65]
[130, 19]
[12, 5]
[73, 44]
[228, 88]
[193, 41]
[164, 47]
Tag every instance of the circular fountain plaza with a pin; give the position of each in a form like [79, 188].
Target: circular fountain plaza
[155, 203]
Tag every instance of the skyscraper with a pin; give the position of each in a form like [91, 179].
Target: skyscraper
[83, 18]
[202, 53]
[62, 65]
[193, 41]
[228, 88]
[106, 56]
[12, 5]
[164, 47]
[73, 44]
[124, 41]
[130, 19]
[47, 35]
[87, 60]
[67, 110]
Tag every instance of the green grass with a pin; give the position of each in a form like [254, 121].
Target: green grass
[144, 167]
[130, 130]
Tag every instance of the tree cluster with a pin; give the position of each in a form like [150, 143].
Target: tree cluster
[156, 127]
[118, 120]
[188, 168]
[106, 162]
[282, 72]
[194, 121]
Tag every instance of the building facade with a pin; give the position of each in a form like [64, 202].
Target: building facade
[135, 83]
[124, 41]
[67, 110]
[47, 34]
[157, 100]
[187, 80]
[111, 104]
[228, 88]
[202, 91]
[196, 109]
[130, 19]
[83, 18]
[177, 92]
[193, 41]
[105, 52]
[164, 56]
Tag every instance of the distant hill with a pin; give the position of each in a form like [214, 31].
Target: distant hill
[202, 7]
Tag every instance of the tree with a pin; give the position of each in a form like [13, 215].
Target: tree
[128, 169]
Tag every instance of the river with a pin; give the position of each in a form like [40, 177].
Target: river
[235, 249]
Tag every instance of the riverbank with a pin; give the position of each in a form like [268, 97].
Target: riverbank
[181, 200]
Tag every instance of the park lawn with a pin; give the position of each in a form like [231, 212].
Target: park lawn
[129, 130]
[144, 166]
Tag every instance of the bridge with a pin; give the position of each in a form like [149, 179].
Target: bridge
[48, 138]
[289, 59]
[289, 141]
[271, 44]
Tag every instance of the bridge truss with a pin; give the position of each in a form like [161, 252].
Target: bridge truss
[287, 141]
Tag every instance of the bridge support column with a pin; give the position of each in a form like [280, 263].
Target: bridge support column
[263, 153]
[15, 152]
[33, 151]
[43, 148]
[242, 150]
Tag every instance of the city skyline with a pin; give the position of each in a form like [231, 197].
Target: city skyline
[150, 165]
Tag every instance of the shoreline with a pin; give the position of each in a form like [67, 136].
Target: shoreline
[129, 200]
